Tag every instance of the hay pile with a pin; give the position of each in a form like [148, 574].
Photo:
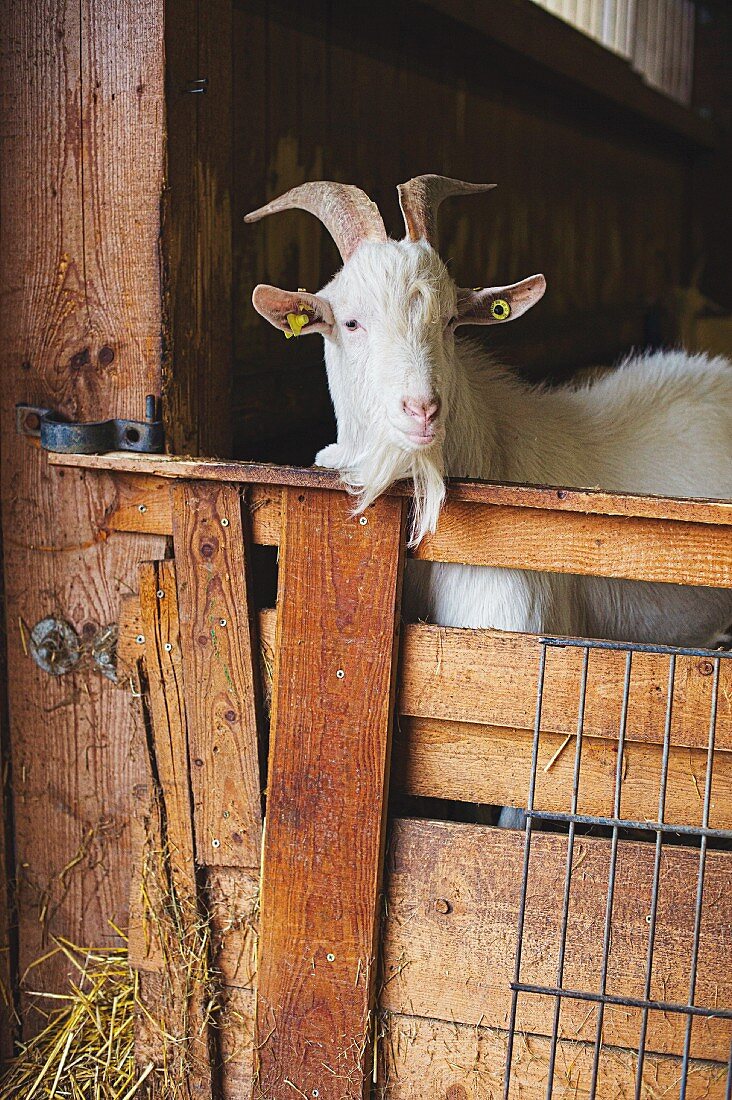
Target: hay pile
[86, 1049]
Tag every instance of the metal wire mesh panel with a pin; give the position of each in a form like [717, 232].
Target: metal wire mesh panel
[624, 836]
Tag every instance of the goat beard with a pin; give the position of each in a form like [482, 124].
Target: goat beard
[375, 471]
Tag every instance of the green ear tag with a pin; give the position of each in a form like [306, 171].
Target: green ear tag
[297, 322]
[500, 309]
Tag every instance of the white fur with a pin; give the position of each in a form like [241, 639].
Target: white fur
[660, 424]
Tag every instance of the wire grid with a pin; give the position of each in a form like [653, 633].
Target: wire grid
[661, 828]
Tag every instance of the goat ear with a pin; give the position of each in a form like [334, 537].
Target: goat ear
[497, 304]
[275, 305]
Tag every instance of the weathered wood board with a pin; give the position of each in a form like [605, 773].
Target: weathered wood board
[450, 938]
[421, 1058]
[81, 177]
[221, 685]
[333, 692]
[492, 764]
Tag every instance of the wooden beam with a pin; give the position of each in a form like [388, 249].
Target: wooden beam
[196, 227]
[570, 542]
[169, 873]
[422, 1057]
[221, 682]
[490, 677]
[81, 178]
[492, 765]
[334, 675]
[551, 498]
[450, 937]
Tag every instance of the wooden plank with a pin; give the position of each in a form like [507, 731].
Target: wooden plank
[550, 498]
[164, 674]
[81, 178]
[421, 1058]
[168, 873]
[221, 685]
[8, 962]
[450, 935]
[598, 545]
[490, 677]
[196, 227]
[337, 628]
[141, 503]
[492, 765]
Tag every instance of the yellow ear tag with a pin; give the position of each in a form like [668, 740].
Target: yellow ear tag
[297, 322]
[500, 309]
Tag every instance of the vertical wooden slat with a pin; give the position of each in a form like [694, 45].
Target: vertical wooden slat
[221, 688]
[196, 237]
[180, 997]
[338, 611]
[81, 176]
[164, 667]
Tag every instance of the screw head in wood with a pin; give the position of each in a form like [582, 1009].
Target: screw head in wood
[215, 843]
[316, 1093]
[160, 593]
[140, 639]
[224, 522]
[222, 622]
[142, 507]
[340, 673]
[363, 521]
[167, 647]
[330, 957]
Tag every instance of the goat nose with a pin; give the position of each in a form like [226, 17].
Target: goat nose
[424, 411]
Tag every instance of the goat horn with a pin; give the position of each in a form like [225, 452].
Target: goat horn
[347, 212]
[420, 200]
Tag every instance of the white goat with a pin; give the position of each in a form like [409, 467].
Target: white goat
[411, 401]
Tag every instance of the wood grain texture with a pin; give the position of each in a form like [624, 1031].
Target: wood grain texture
[167, 873]
[196, 239]
[545, 497]
[141, 503]
[490, 677]
[164, 673]
[492, 765]
[422, 1058]
[457, 965]
[221, 683]
[598, 545]
[334, 674]
[81, 177]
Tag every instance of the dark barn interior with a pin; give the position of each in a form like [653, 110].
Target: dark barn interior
[611, 189]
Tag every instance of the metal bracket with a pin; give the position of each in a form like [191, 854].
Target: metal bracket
[72, 437]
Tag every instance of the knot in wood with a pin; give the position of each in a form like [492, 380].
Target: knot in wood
[442, 905]
[208, 548]
[456, 1092]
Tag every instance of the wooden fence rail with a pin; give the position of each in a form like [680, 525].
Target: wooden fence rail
[308, 1004]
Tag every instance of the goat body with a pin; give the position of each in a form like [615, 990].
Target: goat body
[659, 424]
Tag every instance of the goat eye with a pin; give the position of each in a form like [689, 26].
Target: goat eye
[352, 325]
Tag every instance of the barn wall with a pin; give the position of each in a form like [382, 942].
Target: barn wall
[587, 194]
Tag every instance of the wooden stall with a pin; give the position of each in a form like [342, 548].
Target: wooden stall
[135, 138]
[324, 978]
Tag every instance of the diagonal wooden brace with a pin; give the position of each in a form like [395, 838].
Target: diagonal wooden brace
[337, 630]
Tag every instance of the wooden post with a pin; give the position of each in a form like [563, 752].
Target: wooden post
[337, 628]
[80, 183]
